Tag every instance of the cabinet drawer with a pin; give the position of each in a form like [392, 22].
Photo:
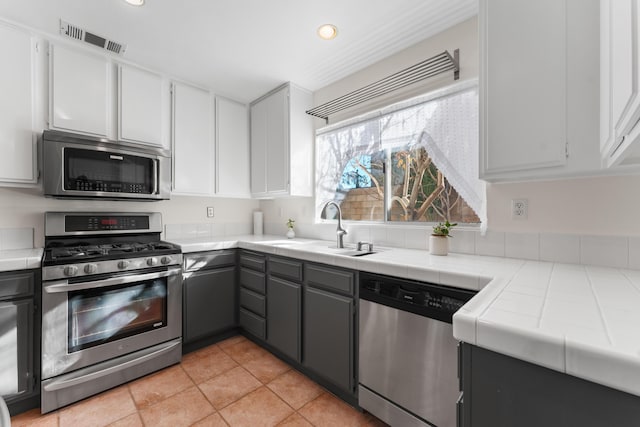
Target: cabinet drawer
[253, 261]
[330, 278]
[208, 260]
[252, 301]
[285, 268]
[252, 280]
[253, 323]
[16, 284]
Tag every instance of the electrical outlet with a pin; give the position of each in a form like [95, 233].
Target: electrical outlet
[519, 208]
[209, 211]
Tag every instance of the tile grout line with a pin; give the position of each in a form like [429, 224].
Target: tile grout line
[204, 362]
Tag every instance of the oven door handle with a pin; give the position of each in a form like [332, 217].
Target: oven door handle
[65, 286]
[85, 375]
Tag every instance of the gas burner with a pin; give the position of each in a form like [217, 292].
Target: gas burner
[76, 252]
[57, 252]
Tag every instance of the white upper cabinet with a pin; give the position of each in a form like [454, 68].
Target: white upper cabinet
[232, 148]
[17, 137]
[142, 101]
[620, 80]
[282, 143]
[538, 88]
[259, 149]
[80, 86]
[193, 150]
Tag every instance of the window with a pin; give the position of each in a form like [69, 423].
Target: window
[409, 163]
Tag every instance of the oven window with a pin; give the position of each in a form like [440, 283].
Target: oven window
[90, 170]
[102, 315]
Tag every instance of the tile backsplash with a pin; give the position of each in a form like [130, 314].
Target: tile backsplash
[204, 230]
[605, 251]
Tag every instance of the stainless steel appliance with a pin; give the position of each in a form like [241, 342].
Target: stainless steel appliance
[408, 355]
[111, 303]
[82, 166]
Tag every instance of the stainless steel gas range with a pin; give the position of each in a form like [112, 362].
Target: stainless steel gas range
[111, 303]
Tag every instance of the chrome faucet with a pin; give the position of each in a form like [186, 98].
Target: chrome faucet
[340, 231]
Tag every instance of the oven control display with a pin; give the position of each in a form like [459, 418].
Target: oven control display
[104, 223]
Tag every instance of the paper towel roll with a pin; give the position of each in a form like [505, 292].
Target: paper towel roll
[257, 222]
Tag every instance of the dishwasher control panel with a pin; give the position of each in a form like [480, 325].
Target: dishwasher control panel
[422, 298]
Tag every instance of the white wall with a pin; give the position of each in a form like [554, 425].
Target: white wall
[605, 206]
[463, 36]
[25, 208]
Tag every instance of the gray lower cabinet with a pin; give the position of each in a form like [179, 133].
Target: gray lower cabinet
[329, 328]
[19, 339]
[253, 289]
[304, 312]
[501, 391]
[209, 294]
[283, 316]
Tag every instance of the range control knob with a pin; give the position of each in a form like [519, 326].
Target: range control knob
[70, 270]
[123, 264]
[152, 261]
[165, 260]
[90, 268]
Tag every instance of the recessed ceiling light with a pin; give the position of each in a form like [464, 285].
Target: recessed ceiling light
[135, 2]
[327, 31]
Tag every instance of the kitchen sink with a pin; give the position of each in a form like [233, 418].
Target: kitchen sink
[356, 253]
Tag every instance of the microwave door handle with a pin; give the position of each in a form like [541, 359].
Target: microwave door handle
[65, 286]
[155, 176]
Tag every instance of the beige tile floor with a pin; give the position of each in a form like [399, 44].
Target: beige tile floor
[232, 383]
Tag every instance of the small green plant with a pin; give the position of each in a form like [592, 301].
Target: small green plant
[443, 229]
[290, 223]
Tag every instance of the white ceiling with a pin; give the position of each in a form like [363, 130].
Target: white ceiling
[244, 48]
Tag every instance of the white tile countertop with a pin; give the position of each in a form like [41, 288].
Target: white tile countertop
[20, 259]
[577, 319]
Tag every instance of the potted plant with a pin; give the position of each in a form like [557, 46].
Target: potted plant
[438, 241]
[290, 233]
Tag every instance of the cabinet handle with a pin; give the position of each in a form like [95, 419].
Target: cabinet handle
[459, 366]
[459, 411]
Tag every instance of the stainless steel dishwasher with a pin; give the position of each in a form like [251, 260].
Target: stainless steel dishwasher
[407, 354]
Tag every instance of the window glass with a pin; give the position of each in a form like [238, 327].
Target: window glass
[350, 172]
[401, 165]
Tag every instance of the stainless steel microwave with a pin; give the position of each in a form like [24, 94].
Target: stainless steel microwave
[81, 166]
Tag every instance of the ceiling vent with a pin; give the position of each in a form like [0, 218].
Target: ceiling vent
[83, 35]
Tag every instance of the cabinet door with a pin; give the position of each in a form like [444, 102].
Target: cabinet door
[140, 106]
[624, 59]
[16, 336]
[232, 149]
[619, 80]
[209, 303]
[278, 142]
[523, 123]
[17, 139]
[193, 154]
[80, 91]
[259, 148]
[329, 337]
[283, 316]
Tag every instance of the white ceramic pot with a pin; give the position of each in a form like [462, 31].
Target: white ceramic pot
[438, 245]
[291, 234]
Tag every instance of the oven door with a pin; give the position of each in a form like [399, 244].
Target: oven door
[86, 321]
